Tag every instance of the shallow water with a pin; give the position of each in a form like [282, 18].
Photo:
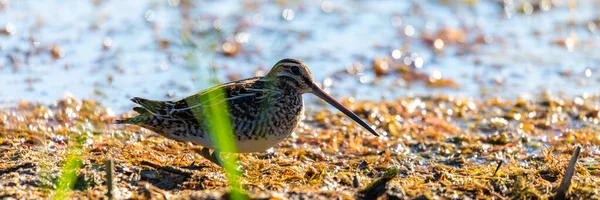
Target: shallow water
[110, 51]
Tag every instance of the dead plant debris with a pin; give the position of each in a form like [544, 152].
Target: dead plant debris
[437, 146]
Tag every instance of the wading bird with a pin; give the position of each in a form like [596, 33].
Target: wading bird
[263, 111]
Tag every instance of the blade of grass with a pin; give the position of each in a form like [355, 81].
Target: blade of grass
[222, 135]
[561, 192]
[215, 113]
[68, 178]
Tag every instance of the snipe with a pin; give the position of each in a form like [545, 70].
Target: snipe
[263, 110]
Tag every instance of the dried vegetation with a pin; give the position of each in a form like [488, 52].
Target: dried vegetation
[432, 146]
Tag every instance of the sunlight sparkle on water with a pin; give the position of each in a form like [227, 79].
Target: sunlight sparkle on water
[588, 72]
[592, 26]
[509, 8]
[409, 30]
[288, 14]
[258, 19]
[228, 47]
[436, 74]
[174, 3]
[527, 8]
[327, 6]
[328, 82]
[164, 66]
[10, 28]
[418, 60]
[396, 21]
[364, 79]
[107, 42]
[438, 44]
[149, 15]
[396, 54]
[407, 61]
[545, 5]
[517, 116]
[4, 4]
[217, 24]
[578, 101]
[242, 37]
[570, 43]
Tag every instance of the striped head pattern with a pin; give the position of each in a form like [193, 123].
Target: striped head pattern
[295, 72]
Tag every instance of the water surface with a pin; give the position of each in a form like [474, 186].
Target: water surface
[110, 51]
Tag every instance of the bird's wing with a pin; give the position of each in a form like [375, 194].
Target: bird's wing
[244, 100]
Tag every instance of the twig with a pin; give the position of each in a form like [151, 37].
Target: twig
[108, 167]
[561, 192]
[150, 191]
[355, 182]
[17, 167]
[167, 168]
[498, 167]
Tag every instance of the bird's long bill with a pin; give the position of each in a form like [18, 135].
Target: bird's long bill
[321, 94]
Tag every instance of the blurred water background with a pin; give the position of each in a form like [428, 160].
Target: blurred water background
[110, 51]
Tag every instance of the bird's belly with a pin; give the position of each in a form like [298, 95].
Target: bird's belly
[260, 145]
[243, 145]
[246, 142]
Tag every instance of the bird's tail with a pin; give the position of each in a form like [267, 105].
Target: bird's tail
[140, 119]
[143, 116]
[121, 121]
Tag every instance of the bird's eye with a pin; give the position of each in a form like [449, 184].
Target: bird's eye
[295, 70]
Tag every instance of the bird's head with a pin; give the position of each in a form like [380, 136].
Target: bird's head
[296, 73]
[293, 72]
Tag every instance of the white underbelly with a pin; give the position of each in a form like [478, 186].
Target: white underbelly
[245, 146]
[261, 145]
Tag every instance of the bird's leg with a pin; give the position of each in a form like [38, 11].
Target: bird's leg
[206, 154]
[238, 166]
[215, 157]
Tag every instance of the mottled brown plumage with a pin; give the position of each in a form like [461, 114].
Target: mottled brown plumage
[263, 110]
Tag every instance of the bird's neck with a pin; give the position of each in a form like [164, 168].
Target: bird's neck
[283, 83]
[289, 84]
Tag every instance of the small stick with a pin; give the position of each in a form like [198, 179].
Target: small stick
[355, 182]
[108, 167]
[167, 168]
[378, 186]
[16, 168]
[561, 192]
[498, 167]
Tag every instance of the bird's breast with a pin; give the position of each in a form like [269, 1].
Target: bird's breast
[272, 125]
